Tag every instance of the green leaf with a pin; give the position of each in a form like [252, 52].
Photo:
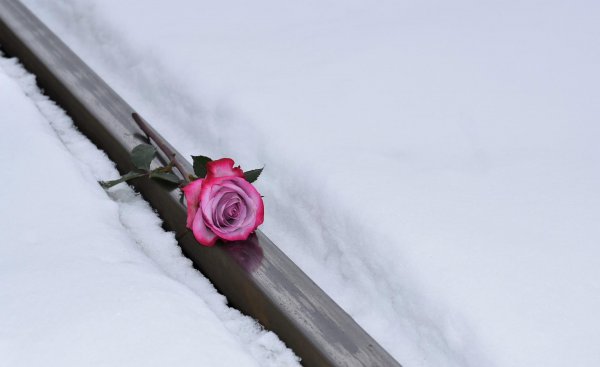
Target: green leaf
[164, 176]
[126, 177]
[200, 162]
[252, 175]
[167, 181]
[142, 155]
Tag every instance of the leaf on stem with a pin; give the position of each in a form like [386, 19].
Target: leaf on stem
[142, 155]
[200, 162]
[168, 181]
[165, 176]
[252, 175]
[128, 176]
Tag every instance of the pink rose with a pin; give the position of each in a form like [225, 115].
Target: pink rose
[223, 205]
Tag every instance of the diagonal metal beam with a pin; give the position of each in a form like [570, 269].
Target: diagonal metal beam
[255, 276]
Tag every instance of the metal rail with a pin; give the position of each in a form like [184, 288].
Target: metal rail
[255, 276]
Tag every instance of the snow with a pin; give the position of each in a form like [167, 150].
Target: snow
[432, 165]
[89, 278]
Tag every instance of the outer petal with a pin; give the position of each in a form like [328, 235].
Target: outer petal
[260, 213]
[222, 168]
[202, 233]
[239, 235]
[257, 200]
[192, 197]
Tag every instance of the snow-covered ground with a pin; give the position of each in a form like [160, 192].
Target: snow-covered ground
[432, 165]
[89, 278]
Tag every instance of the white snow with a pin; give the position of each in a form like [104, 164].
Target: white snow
[89, 278]
[432, 165]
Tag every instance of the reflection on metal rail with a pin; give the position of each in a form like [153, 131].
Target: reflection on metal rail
[255, 276]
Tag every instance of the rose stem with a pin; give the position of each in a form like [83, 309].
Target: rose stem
[161, 143]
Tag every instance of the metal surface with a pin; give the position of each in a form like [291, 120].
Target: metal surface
[255, 276]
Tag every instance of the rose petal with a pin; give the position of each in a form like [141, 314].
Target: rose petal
[217, 189]
[227, 210]
[213, 191]
[260, 212]
[257, 201]
[223, 168]
[192, 195]
[201, 232]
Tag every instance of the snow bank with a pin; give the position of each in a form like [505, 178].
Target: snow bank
[432, 165]
[91, 279]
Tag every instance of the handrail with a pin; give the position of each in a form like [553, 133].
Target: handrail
[254, 275]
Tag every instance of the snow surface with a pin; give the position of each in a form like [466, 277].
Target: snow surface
[432, 165]
[89, 278]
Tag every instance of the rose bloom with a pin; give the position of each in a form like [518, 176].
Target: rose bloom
[223, 205]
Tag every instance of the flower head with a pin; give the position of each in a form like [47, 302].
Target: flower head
[223, 205]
